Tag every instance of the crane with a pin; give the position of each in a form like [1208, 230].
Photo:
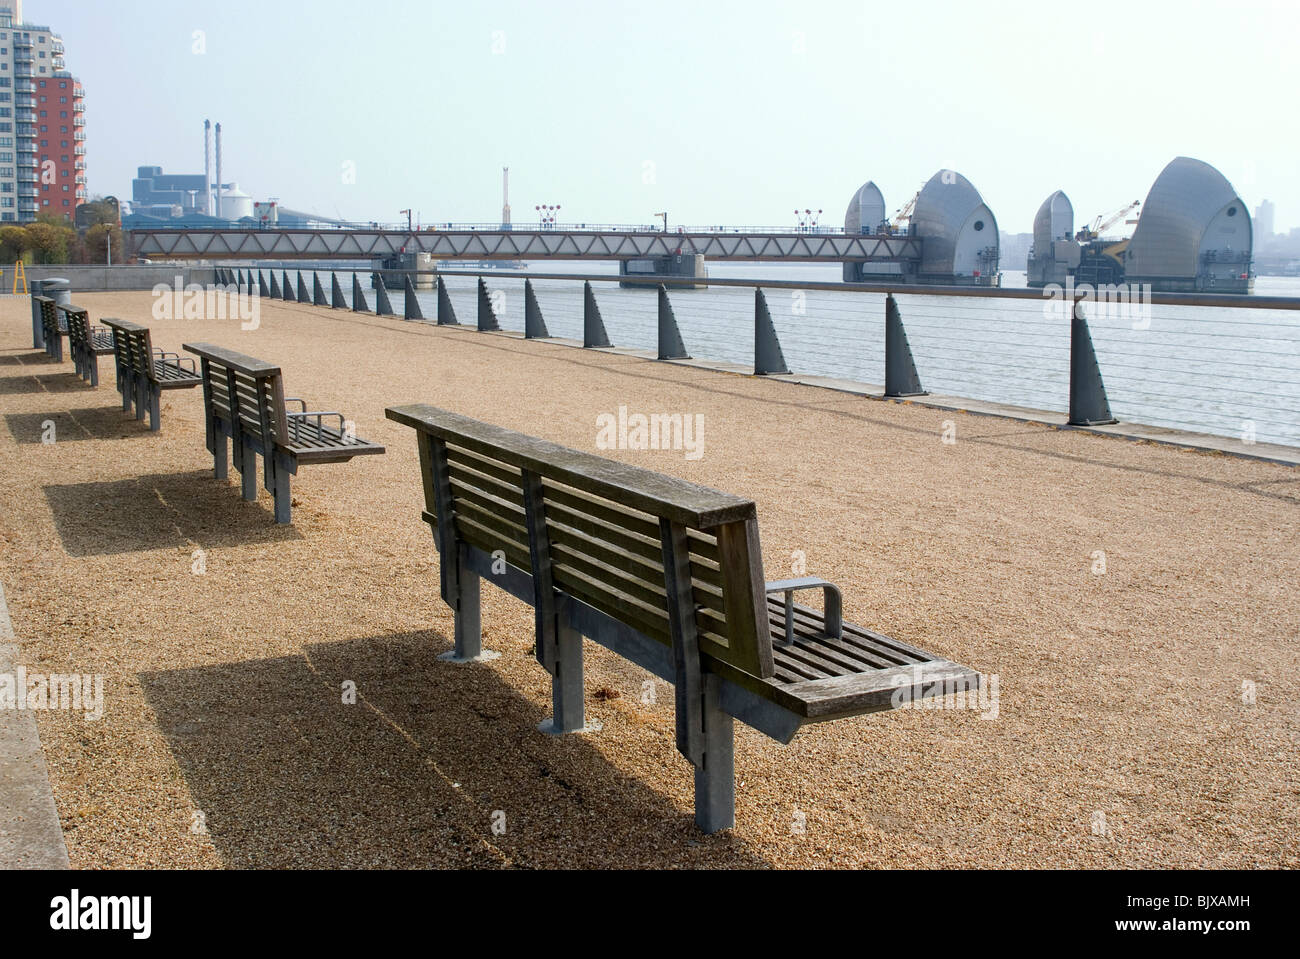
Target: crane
[1100, 224]
[904, 215]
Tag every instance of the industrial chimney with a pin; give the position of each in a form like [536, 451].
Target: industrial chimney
[505, 198]
[218, 169]
[207, 168]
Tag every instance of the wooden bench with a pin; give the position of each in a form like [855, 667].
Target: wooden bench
[667, 574]
[51, 330]
[86, 342]
[144, 371]
[244, 401]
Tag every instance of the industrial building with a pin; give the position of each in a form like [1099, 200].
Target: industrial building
[958, 234]
[42, 122]
[1194, 234]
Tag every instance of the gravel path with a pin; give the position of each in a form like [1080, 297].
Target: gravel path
[1125, 735]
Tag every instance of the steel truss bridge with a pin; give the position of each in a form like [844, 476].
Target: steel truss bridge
[360, 244]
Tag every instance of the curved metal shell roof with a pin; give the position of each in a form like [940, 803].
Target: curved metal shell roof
[950, 213]
[1054, 221]
[1191, 209]
[866, 210]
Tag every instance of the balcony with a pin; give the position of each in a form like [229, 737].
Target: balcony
[80, 178]
[79, 151]
[25, 86]
[25, 116]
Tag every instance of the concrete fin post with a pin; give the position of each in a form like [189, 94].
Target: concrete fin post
[248, 280]
[446, 312]
[275, 287]
[359, 304]
[383, 306]
[318, 291]
[901, 378]
[286, 287]
[1088, 403]
[593, 327]
[534, 324]
[338, 300]
[263, 290]
[304, 295]
[671, 346]
[768, 357]
[411, 307]
[487, 317]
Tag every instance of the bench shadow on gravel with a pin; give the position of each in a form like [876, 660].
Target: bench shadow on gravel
[52, 380]
[160, 511]
[286, 775]
[24, 357]
[74, 426]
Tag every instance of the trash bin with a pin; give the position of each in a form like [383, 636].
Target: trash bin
[59, 290]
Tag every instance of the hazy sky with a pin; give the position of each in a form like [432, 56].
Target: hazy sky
[718, 112]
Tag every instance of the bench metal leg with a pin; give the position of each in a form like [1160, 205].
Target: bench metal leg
[220, 463]
[469, 623]
[155, 408]
[124, 387]
[93, 363]
[141, 401]
[280, 490]
[715, 777]
[248, 474]
[566, 685]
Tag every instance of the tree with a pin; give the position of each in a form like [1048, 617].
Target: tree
[97, 240]
[49, 242]
[13, 243]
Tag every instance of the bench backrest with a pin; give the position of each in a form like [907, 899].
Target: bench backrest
[132, 347]
[615, 536]
[49, 316]
[243, 391]
[77, 320]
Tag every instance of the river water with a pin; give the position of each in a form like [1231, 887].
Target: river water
[1231, 372]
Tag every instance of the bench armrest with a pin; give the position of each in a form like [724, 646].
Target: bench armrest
[834, 604]
[182, 362]
[294, 419]
[297, 399]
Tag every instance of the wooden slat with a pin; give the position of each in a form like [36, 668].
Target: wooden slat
[557, 515]
[467, 477]
[654, 493]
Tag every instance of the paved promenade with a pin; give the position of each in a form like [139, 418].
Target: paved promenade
[1136, 602]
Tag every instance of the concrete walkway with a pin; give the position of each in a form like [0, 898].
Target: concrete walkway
[30, 834]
